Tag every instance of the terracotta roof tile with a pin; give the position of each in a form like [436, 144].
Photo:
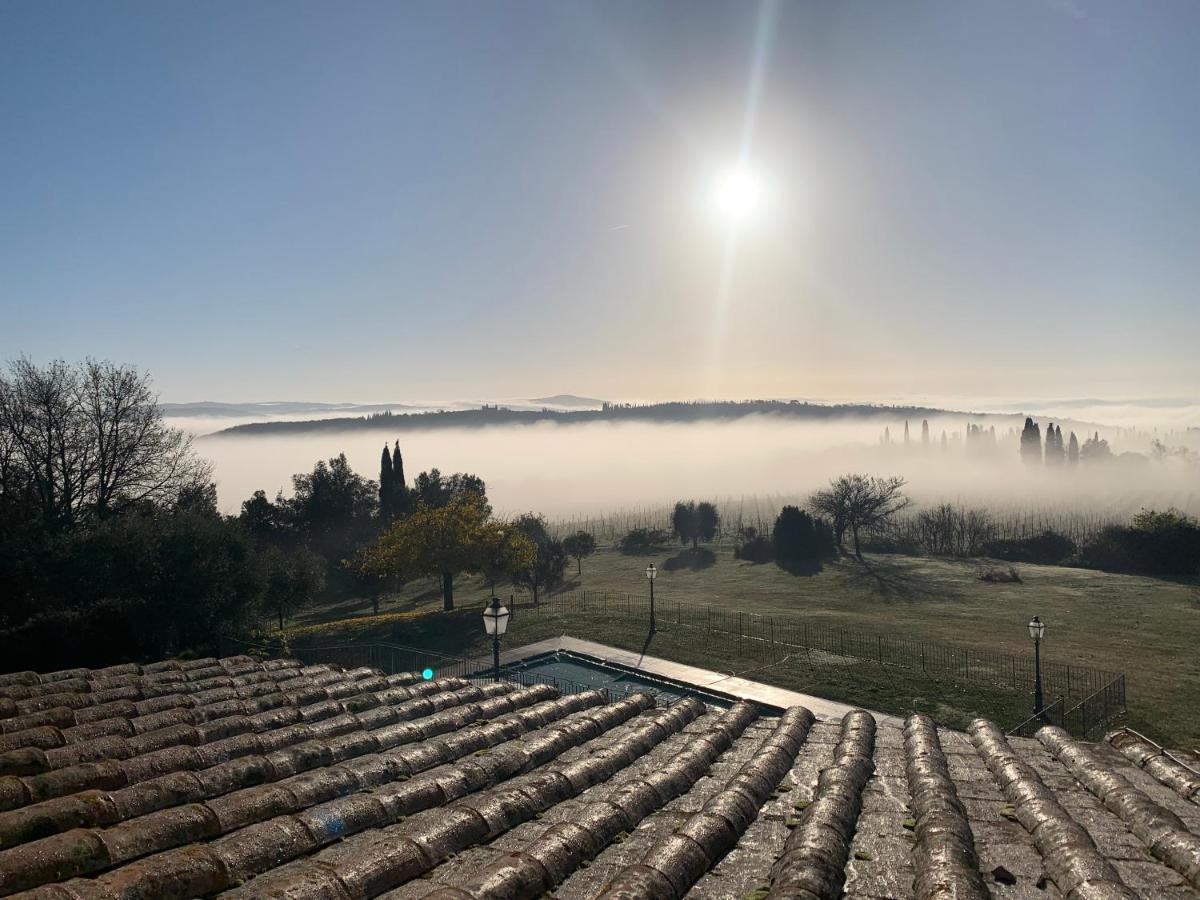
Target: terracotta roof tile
[273, 779]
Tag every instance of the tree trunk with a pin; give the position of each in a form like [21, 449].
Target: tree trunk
[281, 618]
[695, 542]
[579, 562]
[447, 591]
[857, 549]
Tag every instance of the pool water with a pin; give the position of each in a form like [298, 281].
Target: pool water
[618, 681]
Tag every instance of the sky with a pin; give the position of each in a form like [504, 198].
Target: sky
[379, 201]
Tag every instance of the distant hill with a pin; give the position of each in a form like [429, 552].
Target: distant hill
[568, 400]
[608, 412]
[269, 409]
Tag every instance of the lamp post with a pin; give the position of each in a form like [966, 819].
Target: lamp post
[651, 574]
[1037, 628]
[495, 623]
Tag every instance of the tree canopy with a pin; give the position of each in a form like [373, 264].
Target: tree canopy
[579, 545]
[550, 559]
[459, 537]
[694, 522]
[86, 440]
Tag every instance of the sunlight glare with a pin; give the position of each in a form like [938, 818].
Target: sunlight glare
[739, 195]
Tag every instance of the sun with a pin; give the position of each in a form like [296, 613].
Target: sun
[739, 194]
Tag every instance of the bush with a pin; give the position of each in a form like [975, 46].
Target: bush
[756, 549]
[1155, 543]
[891, 541]
[1000, 576]
[644, 540]
[798, 537]
[1048, 548]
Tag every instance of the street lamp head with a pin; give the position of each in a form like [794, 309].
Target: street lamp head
[651, 572]
[495, 618]
[1037, 628]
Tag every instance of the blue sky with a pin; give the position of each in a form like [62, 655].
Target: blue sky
[379, 201]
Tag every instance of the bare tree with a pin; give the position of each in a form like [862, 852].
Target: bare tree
[89, 439]
[859, 503]
[50, 458]
[947, 530]
[136, 456]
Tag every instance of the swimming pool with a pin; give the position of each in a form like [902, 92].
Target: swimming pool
[619, 681]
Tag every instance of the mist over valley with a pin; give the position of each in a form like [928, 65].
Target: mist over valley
[568, 469]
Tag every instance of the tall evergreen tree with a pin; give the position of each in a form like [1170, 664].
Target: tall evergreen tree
[402, 497]
[1056, 455]
[398, 468]
[1073, 450]
[925, 435]
[906, 434]
[1031, 443]
[386, 494]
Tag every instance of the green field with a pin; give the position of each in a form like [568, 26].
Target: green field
[1147, 628]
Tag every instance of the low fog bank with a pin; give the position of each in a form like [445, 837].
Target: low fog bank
[568, 471]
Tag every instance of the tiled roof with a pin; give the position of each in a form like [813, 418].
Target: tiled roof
[242, 778]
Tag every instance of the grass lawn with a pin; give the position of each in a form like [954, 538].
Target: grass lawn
[1147, 628]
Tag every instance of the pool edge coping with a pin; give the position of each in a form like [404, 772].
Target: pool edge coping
[732, 687]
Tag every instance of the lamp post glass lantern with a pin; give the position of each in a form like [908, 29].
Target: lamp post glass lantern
[651, 574]
[1037, 629]
[495, 623]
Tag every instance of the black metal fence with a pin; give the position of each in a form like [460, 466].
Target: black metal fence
[1088, 697]
[1081, 719]
[770, 634]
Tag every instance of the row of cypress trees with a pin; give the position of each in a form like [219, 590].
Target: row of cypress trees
[395, 499]
[1054, 453]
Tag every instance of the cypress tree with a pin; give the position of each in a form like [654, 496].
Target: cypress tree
[925, 435]
[906, 434]
[398, 468]
[1054, 446]
[1073, 450]
[385, 484]
[399, 488]
[1031, 443]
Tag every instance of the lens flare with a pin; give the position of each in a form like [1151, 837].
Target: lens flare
[739, 195]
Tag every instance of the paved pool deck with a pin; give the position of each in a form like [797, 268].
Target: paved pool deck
[733, 686]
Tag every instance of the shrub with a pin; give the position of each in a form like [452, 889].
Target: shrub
[644, 540]
[1155, 543]
[891, 542]
[1000, 576]
[797, 536]
[756, 549]
[1048, 548]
